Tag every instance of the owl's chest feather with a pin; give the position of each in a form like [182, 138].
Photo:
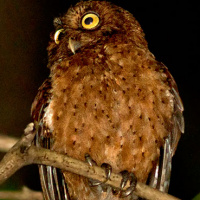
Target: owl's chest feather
[113, 109]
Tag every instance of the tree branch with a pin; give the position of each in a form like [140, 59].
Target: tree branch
[23, 153]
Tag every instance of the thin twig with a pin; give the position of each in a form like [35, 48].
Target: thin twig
[6, 142]
[24, 194]
[23, 153]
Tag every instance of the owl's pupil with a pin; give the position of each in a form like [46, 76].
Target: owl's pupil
[88, 20]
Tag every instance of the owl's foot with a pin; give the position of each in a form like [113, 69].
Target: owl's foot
[105, 166]
[133, 181]
[129, 191]
[126, 176]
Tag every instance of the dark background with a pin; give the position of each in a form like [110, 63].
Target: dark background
[172, 31]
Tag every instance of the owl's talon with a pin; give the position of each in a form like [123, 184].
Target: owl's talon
[108, 171]
[94, 183]
[133, 181]
[89, 160]
[105, 166]
[125, 178]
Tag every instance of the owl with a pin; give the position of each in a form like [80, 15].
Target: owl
[106, 97]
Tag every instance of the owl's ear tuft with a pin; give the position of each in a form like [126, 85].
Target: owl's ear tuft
[57, 23]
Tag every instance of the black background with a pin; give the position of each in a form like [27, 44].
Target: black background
[172, 31]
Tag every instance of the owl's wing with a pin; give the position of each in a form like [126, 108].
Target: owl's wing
[52, 180]
[160, 177]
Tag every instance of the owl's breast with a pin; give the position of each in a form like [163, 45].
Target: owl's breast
[114, 110]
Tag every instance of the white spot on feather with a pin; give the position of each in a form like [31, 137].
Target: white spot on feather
[48, 117]
[169, 94]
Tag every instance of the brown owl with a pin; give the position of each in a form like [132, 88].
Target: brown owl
[108, 97]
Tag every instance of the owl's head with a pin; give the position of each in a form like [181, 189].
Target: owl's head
[93, 23]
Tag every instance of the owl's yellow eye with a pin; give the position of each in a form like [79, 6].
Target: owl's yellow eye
[90, 21]
[57, 34]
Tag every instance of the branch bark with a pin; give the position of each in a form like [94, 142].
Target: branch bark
[23, 153]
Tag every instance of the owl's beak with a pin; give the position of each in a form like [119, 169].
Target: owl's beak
[74, 45]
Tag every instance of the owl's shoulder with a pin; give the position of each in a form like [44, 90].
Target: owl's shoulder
[41, 100]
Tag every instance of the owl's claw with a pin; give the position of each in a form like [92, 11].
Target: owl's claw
[108, 171]
[89, 160]
[129, 191]
[133, 181]
[105, 166]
